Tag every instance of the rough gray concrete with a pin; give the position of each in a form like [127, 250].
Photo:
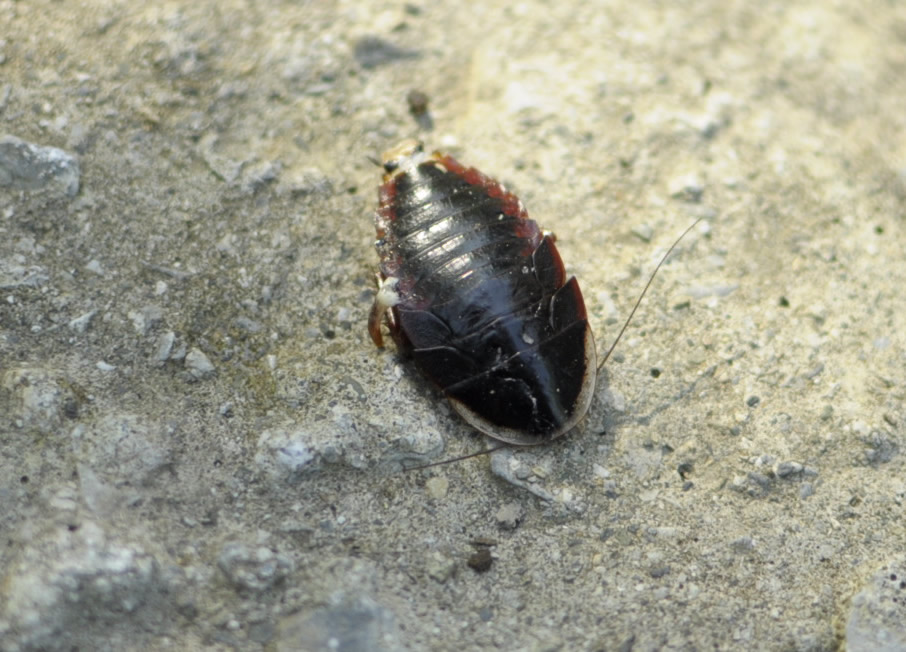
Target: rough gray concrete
[200, 447]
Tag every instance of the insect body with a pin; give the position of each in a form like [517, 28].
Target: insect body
[478, 295]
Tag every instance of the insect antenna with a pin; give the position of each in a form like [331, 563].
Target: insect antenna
[486, 451]
[375, 161]
[642, 295]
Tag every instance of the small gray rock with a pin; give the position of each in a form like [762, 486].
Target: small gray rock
[505, 465]
[253, 570]
[643, 231]
[37, 397]
[787, 469]
[198, 365]
[509, 515]
[80, 324]
[439, 566]
[26, 166]
[164, 346]
[687, 187]
[437, 487]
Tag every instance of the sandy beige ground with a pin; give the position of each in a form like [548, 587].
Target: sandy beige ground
[199, 446]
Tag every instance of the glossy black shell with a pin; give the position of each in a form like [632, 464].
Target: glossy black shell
[478, 296]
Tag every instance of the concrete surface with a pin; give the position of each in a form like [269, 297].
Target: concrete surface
[201, 449]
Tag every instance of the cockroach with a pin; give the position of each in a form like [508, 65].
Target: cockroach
[476, 293]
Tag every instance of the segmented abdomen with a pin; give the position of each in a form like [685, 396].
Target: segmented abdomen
[446, 237]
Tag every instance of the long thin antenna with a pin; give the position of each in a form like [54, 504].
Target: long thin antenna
[486, 451]
[642, 296]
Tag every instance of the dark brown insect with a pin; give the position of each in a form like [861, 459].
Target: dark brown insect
[477, 294]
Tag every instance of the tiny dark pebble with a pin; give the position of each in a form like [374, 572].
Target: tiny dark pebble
[659, 571]
[71, 408]
[752, 401]
[784, 302]
[480, 561]
[684, 469]
[418, 102]
[655, 372]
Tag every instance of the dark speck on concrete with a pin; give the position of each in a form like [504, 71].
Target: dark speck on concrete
[372, 51]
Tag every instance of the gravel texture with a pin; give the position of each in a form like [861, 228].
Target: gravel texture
[200, 448]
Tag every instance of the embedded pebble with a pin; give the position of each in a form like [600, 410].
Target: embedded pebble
[80, 324]
[253, 570]
[877, 615]
[27, 166]
[754, 484]
[285, 454]
[743, 544]
[506, 466]
[687, 187]
[95, 267]
[786, 469]
[37, 398]
[643, 231]
[880, 446]
[164, 346]
[198, 365]
[509, 515]
[439, 566]
[145, 319]
[258, 175]
[437, 487]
